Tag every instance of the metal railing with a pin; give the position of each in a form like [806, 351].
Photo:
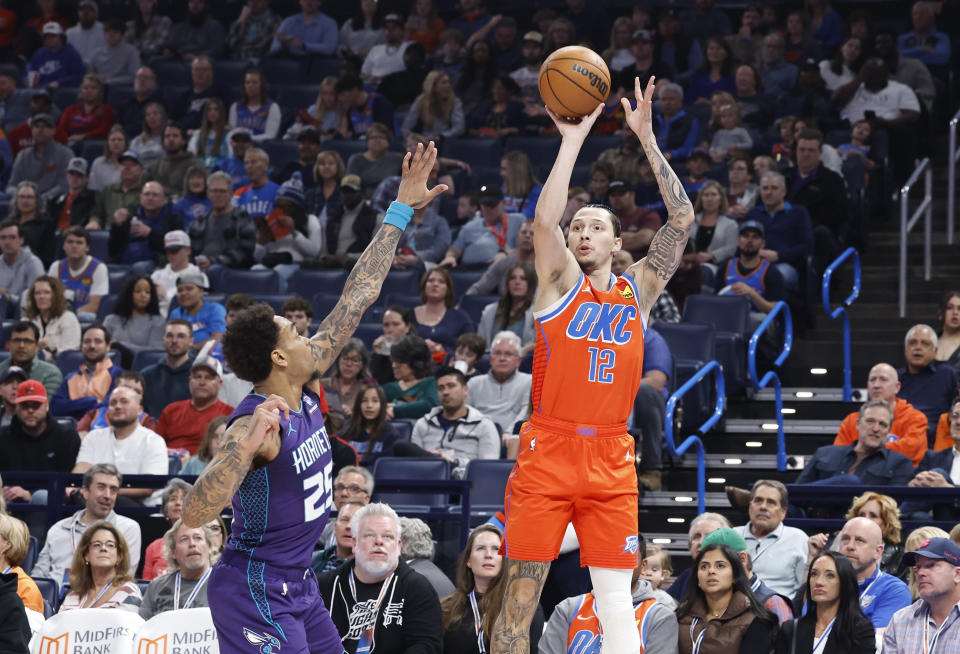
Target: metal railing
[696, 439]
[771, 376]
[841, 311]
[907, 222]
[953, 155]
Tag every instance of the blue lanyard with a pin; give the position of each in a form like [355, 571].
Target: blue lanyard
[193, 594]
[822, 641]
[9, 568]
[477, 626]
[867, 590]
[699, 639]
[97, 598]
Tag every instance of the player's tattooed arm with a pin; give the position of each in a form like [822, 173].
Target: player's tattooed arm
[365, 280]
[511, 632]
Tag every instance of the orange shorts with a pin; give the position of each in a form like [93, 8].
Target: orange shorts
[571, 473]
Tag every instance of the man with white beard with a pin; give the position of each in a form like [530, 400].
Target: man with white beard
[185, 586]
[376, 600]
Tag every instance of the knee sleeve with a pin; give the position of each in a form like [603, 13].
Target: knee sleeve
[611, 588]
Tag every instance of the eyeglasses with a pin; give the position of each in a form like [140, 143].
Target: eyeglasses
[103, 545]
[353, 490]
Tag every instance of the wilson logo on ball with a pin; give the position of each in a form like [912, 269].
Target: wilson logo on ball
[595, 80]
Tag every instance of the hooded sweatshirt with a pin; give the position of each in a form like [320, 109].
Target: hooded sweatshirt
[14, 628]
[474, 436]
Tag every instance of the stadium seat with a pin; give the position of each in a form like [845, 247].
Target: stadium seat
[117, 279]
[473, 305]
[729, 315]
[92, 149]
[368, 333]
[537, 148]
[345, 148]
[481, 176]
[691, 346]
[409, 301]
[230, 73]
[144, 358]
[403, 427]
[280, 152]
[401, 282]
[477, 152]
[322, 67]
[489, 477]
[464, 279]
[64, 96]
[594, 146]
[100, 630]
[193, 626]
[117, 94]
[30, 559]
[275, 301]
[107, 304]
[171, 73]
[48, 589]
[67, 422]
[427, 469]
[283, 71]
[69, 360]
[173, 463]
[254, 282]
[323, 304]
[99, 240]
[143, 584]
[307, 283]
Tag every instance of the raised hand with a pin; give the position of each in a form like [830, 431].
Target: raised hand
[579, 129]
[415, 172]
[640, 120]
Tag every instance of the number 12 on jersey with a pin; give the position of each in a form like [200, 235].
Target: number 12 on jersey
[602, 361]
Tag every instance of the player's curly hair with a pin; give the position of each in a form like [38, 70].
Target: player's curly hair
[250, 338]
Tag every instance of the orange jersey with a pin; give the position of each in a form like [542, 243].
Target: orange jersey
[589, 354]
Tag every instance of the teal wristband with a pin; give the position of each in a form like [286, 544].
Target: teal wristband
[398, 215]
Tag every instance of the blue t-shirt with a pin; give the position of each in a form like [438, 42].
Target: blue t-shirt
[190, 208]
[209, 320]
[479, 245]
[257, 202]
[882, 595]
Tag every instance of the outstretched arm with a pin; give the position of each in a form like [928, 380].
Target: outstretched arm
[366, 278]
[666, 249]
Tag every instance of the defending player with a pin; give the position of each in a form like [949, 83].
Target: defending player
[275, 462]
[576, 459]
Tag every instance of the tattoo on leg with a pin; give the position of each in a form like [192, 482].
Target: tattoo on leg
[511, 633]
[666, 250]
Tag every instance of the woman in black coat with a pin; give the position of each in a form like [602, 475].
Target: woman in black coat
[833, 613]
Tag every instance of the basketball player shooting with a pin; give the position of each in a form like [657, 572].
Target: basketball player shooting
[576, 459]
[275, 462]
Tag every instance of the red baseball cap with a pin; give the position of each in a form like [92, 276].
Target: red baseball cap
[31, 391]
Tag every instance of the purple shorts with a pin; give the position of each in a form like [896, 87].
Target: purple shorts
[255, 605]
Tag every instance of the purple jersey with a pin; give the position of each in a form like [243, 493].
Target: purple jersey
[280, 509]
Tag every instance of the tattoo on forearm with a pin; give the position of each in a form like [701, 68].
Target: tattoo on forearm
[666, 250]
[511, 633]
[671, 188]
[359, 293]
[217, 484]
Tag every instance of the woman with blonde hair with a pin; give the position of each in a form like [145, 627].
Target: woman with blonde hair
[210, 142]
[436, 112]
[620, 55]
[325, 115]
[46, 307]
[99, 575]
[714, 234]
[912, 544]
[521, 189]
[14, 543]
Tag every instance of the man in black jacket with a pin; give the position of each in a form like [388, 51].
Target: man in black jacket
[76, 206]
[225, 235]
[354, 214]
[139, 237]
[14, 627]
[377, 602]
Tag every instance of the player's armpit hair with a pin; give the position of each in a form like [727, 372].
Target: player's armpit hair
[525, 579]
[218, 483]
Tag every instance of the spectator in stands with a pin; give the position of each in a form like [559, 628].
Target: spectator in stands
[485, 236]
[479, 72]
[14, 104]
[139, 238]
[383, 59]
[226, 236]
[256, 198]
[182, 424]
[866, 461]
[409, 617]
[323, 196]
[101, 483]
[437, 320]
[649, 409]
[75, 206]
[311, 32]
[347, 377]
[87, 36]
[325, 115]
[834, 601]
[115, 62]
[194, 201]
[618, 56]
[176, 247]
[716, 74]
[288, 235]
[747, 42]
[254, 110]
[149, 31]
[414, 392]
[148, 144]
[188, 556]
[368, 430]
[130, 112]
[521, 188]
[172, 168]
[363, 108]
[206, 318]
[55, 64]
[82, 389]
[136, 321]
[23, 347]
[924, 42]
[308, 148]
[44, 164]
[18, 265]
[424, 25]
[397, 321]
[300, 312]
[676, 130]
[494, 279]
[504, 392]
[209, 446]
[948, 342]
[723, 591]
[825, 24]
[120, 199]
[97, 418]
[787, 229]
[168, 380]
[436, 112]
[46, 307]
[843, 67]
[822, 193]
[99, 577]
[799, 44]
[809, 96]
[418, 549]
[84, 277]
[927, 384]
[936, 566]
[502, 115]
[199, 34]
[343, 246]
[36, 226]
[750, 275]
[426, 239]
[14, 544]
[755, 104]
[20, 137]
[778, 76]
[363, 30]
[90, 118]
[730, 136]
[642, 64]
[188, 109]
[377, 162]
[332, 557]
[251, 33]
[638, 224]
[881, 509]
[678, 51]
[351, 484]
[171, 506]
[402, 87]
[514, 310]
[742, 193]
[908, 432]
[714, 232]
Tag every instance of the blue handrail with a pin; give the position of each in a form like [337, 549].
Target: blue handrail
[696, 440]
[841, 311]
[771, 375]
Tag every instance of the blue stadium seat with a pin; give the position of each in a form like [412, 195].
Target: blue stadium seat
[403, 427]
[144, 358]
[117, 94]
[477, 152]
[307, 283]
[230, 73]
[481, 176]
[594, 146]
[171, 73]
[275, 301]
[280, 152]
[691, 346]
[64, 96]
[409, 301]
[254, 282]
[464, 279]
[67, 422]
[401, 282]
[143, 584]
[69, 360]
[283, 71]
[48, 589]
[172, 94]
[428, 469]
[323, 304]
[107, 304]
[473, 305]
[30, 558]
[538, 149]
[92, 149]
[729, 315]
[117, 279]
[368, 332]
[173, 464]
[321, 67]
[99, 239]
[345, 148]
[294, 98]
[489, 477]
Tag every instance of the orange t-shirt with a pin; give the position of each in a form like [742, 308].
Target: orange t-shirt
[27, 590]
[181, 425]
[909, 426]
[943, 440]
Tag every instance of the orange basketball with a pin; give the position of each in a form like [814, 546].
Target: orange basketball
[573, 80]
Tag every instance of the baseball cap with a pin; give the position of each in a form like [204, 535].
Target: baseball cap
[196, 278]
[752, 224]
[11, 371]
[42, 118]
[77, 165]
[618, 186]
[490, 194]
[534, 36]
[392, 18]
[210, 364]
[31, 391]
[130, 154]
[725, 536]
[352, 182]
[53, 27]
[642, 35]
[176, 238]
[241, 133]
[943, 549]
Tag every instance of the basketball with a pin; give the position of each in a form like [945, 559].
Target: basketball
[573, 81]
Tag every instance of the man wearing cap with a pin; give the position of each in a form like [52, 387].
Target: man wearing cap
[308, 147]
[750, 275]
[488, 236]
[527, 76]
[23, 347]
[14, 103]
[199, 33]
[87, 35]
[311, 32]
[115, 60]
[778, 76]
[386, 58]
[206, 318]
[44, 163]
[77, 205]
[130, 111]
[18, 265]
[55, 64]
[139, 237]
[350, 226]
[169, 380]
[33, 442]
[20, 136]
[84, 388]
[176, 247]
[183, 424]
[84, 277]
[241, 140]
[930, 625]
[9, 380]
[118, 201]
[225, 236]
[645, 65]
[363, 107]
[786, 229]
[170, 169]
[809, 96]
[638, 224]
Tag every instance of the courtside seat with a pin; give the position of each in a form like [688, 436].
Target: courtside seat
[100, 630]
[193, 626]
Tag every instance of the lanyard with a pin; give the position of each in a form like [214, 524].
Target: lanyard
[933, 643]
[193, 594]
[699, 639]
[864, 595]
[97, 598]
[9, 568]
[501, 233]
[477, 627]
[822, 641]
[365, 642]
